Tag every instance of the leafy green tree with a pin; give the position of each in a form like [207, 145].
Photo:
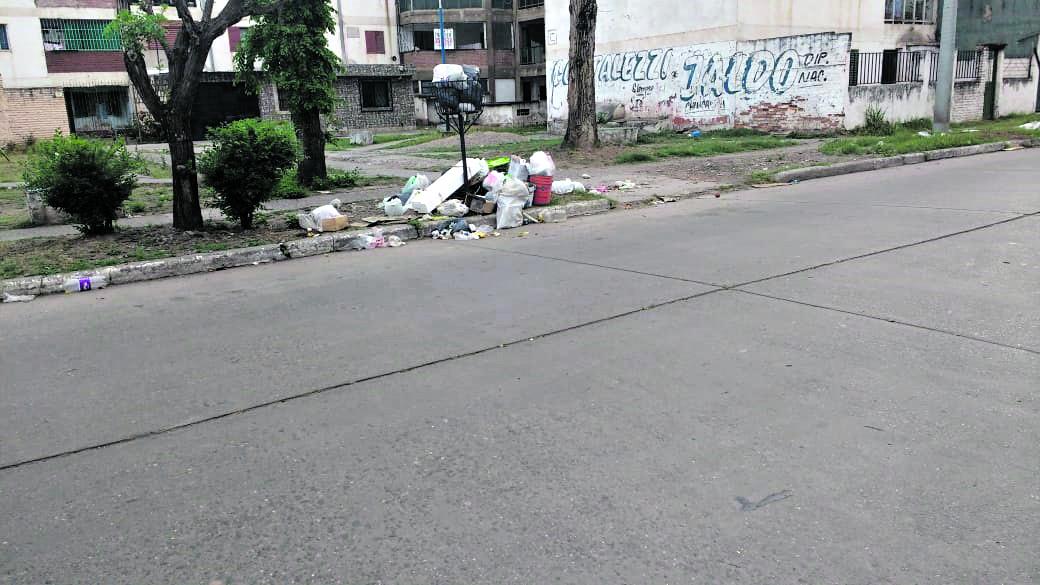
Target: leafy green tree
[291, 50]
[245, 163]
[170, 97]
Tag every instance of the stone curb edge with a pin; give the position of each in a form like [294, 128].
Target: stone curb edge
[873, 164]
[213, 261]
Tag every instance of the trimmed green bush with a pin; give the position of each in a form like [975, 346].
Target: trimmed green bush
[245, 164]
[87, 179]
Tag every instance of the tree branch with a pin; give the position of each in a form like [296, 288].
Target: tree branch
[236, 10]
[207, 10]
[184, 13]
[137, 69]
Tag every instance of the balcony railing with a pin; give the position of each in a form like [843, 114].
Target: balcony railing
[969, 65]
[532, 55]
[522, 4]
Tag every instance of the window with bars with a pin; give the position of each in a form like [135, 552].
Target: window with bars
[77, 35]
[4, 44]
[910, 11]
[375, 95]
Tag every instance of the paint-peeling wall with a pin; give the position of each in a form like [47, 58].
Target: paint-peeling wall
[788, 83]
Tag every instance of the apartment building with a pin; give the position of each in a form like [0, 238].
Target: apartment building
[60, 71]
[505, 38]
[794, 64]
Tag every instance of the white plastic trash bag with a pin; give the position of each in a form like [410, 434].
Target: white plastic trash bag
[449, 72]
[566, 187]
[393, 207]
[541, 164]
[312, 221]
[494, 181]
[416, 183]
[452, 208]
[518, 168]
[511, 200]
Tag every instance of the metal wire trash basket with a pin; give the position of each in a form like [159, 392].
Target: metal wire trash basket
[452, 98]
[459, 104]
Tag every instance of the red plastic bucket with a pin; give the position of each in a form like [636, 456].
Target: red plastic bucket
[542, 189]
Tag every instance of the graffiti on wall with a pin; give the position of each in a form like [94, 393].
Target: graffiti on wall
[717, 83]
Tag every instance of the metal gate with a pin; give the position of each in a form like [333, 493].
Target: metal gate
[98, 110]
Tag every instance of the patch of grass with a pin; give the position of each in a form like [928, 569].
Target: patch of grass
[11, 167]
[14, 222]
[763, 176]
[904, 142]
[150, 199]
[573, 197]
[635, 156]
[699, 147]
[158, 171]
[43, 256]
[416, 139]
[1007, 124]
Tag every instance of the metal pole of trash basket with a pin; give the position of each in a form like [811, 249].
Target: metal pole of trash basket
[462, 140]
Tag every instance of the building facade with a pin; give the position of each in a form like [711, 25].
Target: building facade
[504, 38]
[59, 71]
[781, 65]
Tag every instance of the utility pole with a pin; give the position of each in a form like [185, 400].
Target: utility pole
[947, 62]
[440, 11]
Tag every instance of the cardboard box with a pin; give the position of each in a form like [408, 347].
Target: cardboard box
[335, 224]
[482, 207]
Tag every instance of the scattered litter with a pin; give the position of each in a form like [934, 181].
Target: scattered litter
[486, 230]
[326, 218]
[769, 185]
[511, 199]
[453, 208]
[1013, 147]
[10, 298]
[518, 168]
[441, 234]
[84, 284]
[393, 206]
[543, 191]
[925, 134]
[416, 183]
[970, 130]
[501, 162]
[586, 176]
[459, 225]
[624, 185]
[567, 186]
[493, 182]
[426, 200]
[394, 242]
[531, 219]
[464, 236]
[663, 199]
[695, 134]
[523, 234]
[542, 164]
[601, 189]
[1031, 125]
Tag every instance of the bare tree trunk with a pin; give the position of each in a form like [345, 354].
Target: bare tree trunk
[187, 212]
[581, 89]
[308, 125]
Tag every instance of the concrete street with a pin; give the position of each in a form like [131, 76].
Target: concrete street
[831, 382]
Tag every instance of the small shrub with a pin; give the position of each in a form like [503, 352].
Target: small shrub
[338, 180]
[87, 179]
[289, 187]
[245, 164]
[876, 124]
[917, 124]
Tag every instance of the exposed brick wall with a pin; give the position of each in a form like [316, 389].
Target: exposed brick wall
[35, 113]
[505, 58]
[969, 97]
[349, 115]
[427, 60]
[83, 61]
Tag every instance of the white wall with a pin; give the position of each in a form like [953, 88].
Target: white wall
[781, 83]
[1018, 95]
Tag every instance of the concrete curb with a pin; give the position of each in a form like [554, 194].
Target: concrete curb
[873, 164]
[213, 261]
